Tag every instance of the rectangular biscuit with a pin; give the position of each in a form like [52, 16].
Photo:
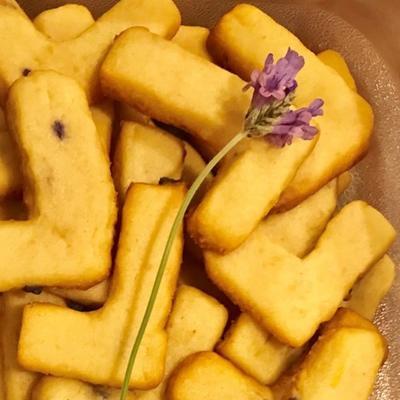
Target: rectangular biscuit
[196, 324]
[259, 274]
[246, 188]
[172, 85]
[343, 363]
[146, 154]
[18, 382]
[241, 41]
[207, 376]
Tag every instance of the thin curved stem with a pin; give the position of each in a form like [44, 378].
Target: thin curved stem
[160, 273]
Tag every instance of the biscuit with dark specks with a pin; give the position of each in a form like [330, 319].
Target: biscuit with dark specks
[68, 238]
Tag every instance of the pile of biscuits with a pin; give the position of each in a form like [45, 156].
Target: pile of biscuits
[270, 289]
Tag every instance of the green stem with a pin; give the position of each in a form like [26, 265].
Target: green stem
[174, 230]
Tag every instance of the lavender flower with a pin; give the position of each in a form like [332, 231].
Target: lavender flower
[296, 123]
[270, 114]
[275, 81]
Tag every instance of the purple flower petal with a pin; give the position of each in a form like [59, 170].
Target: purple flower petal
[296, 123]
[275, 81]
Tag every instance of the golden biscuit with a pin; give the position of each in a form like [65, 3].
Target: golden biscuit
[246, 344]
[50, 24]
[193, 39]
[241, 41]
[342, 364]
[52, 388]
[145, 154]
[250, 347]
[172, 85]
[244, 191]
[65, 22]
[256, 352]
[95, 347]
[103, 118]
[128, 113]
[196, 323]
[61, 151]
[94, 296]
[10, 164]
[336, 61]
[344, 181]
[207, 376]
[24, 49]
[372, 288]
[18, 382]
[259, 274]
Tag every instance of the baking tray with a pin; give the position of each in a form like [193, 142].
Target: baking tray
[366, 32]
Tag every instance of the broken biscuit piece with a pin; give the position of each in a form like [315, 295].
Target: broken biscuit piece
[65, 22]
[259, 274]
[208, 102]
[369, 291]
[61, 151]
[242, 39]
[256, 352]
[24, 49]
[196, 324]
[52, 388]
[18, 382]
[246, 188]
[207, 376]
[336, 61]
[193, 39]
[92, 297]
[82, 345]
[146, 154]
[342, 364]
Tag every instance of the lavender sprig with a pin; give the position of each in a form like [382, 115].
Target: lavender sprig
[270, 116]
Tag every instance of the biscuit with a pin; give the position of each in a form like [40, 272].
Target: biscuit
[25, 49]
[251, 348]
[193, 165]
[128, 113]
[241, 41]
[18, 382]
[246, 344]
[207, 376]
[52, 388]
[146, 154]
[10, 164]
[256, 352]
[367, 294]
[196, 323]
[103, 118]
[92, 297]
[51, 24]
[336, 61]
[61, 151]
[240, 196]
[193, 39]
[208, 102]
[342, 364]
[65, 22]
[71, 344]
[259, 274]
